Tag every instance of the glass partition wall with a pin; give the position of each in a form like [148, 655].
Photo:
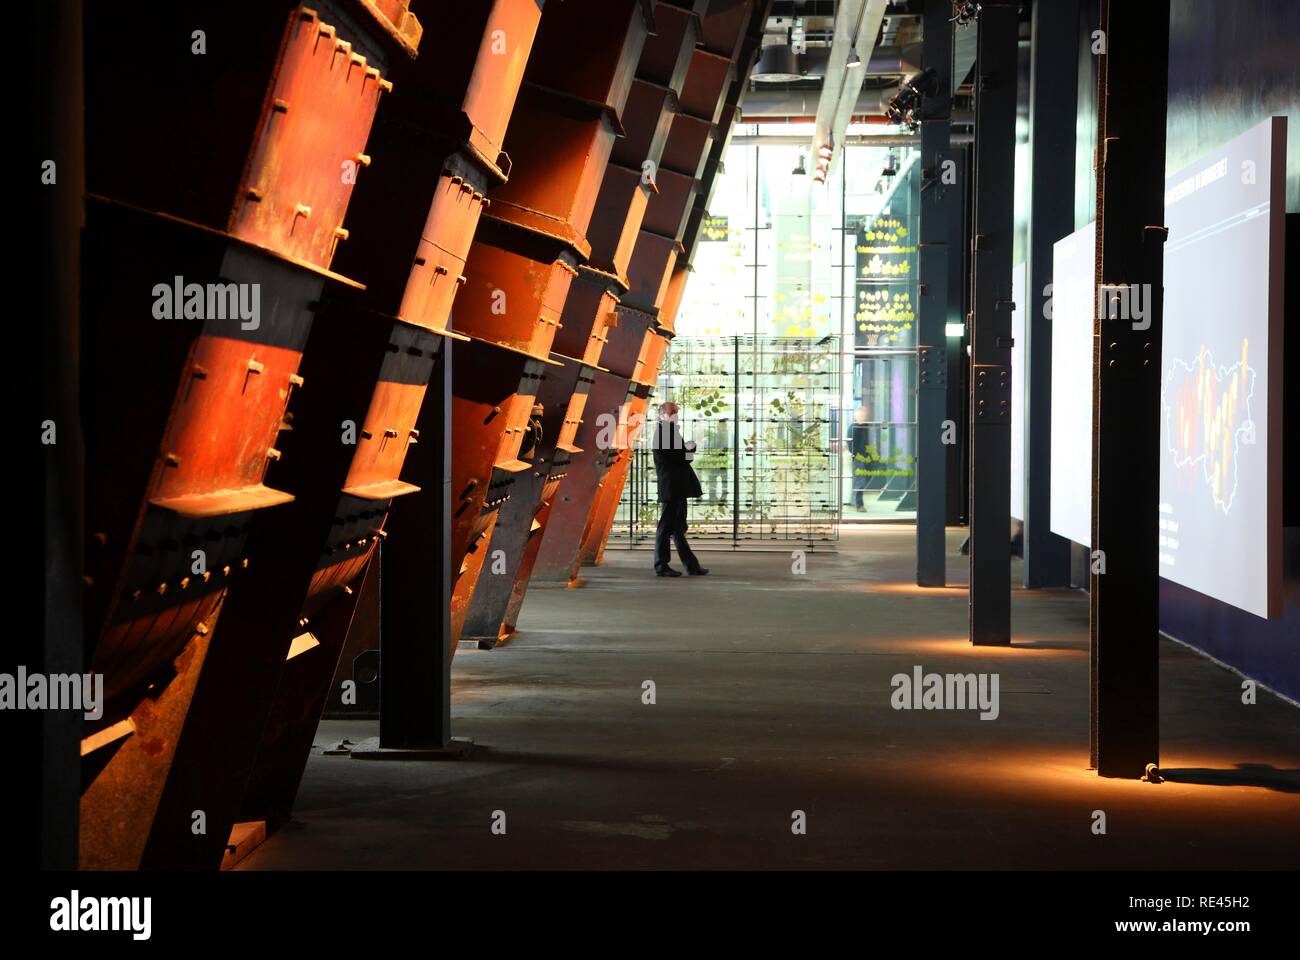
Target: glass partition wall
[795, 360]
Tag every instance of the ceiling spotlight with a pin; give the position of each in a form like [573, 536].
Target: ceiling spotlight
[799, 170]
[854, 60]
[964, 12]
[904, 108]
[824, 151]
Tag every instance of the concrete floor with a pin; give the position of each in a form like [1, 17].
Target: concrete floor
[773, 695]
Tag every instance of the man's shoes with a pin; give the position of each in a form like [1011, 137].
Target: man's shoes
[667, 572]
[699, 572]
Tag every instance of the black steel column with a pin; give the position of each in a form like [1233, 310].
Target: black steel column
[940, 201]
[991, 239]
[50, 739]
[415, 588]
[1132, 89]
[1053, 93]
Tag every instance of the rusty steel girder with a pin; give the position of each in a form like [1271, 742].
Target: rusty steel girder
[285, 627]
[628, 188]
[524, 262]
[439, 140]
[258, 147]
[589, 309]
[601, 518]
[443, 129]
[173, 499]
[511, 310]
[727, 24]
[562, 395]
[352, 489]
[700, 133]
[250, 208]
[602, 432]
[588, 312]
[494, 390]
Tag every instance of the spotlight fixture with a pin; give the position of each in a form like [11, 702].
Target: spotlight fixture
[824, 151]
[964, 12]
[854, 61]
[799, 170]
[904, 108]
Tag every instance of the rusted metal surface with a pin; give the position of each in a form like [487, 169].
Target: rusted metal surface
[667, 55]
[666, 213]
[490, 162]
[647, 119]
[255, 148]
[418, 215]
[625, 340]
[124, 779]
[250, 211]
[309, 556]
[687, 149]
[621, 207]
[591, 329]
[570, 141]
[446, 115]
[610, 34]
[516, 536]
[522, 266]
[491, 84]
[731, 31]
[666, 321]
[175, 496]
[514, 300]
[652, 261]
[724, 25]
[493, 396]
[570, 506]
[706, 82]
[322, 102]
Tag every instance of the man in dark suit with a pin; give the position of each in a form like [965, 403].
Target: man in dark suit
[677, 483]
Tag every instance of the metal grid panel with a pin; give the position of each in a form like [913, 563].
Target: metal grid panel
[761, 411]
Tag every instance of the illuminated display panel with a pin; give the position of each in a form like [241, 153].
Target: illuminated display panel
[1220, 456]
[1220, 397]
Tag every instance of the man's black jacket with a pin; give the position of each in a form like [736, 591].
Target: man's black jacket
[677, 480]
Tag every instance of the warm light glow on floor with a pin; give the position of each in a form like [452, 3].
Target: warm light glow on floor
[961, 646]
[910, 588]
[1029, 771]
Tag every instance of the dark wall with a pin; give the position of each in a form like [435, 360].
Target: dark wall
[1233, 63]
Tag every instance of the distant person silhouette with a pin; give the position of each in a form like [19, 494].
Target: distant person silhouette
[677, 483]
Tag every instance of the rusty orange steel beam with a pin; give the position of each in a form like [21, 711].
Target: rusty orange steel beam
[590, 308]
[379, 352]
[371, 356]
[691, 161]
[715, 71]
[203, 272]
[526, 257]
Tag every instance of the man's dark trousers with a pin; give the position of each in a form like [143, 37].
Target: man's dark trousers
[672, 526]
